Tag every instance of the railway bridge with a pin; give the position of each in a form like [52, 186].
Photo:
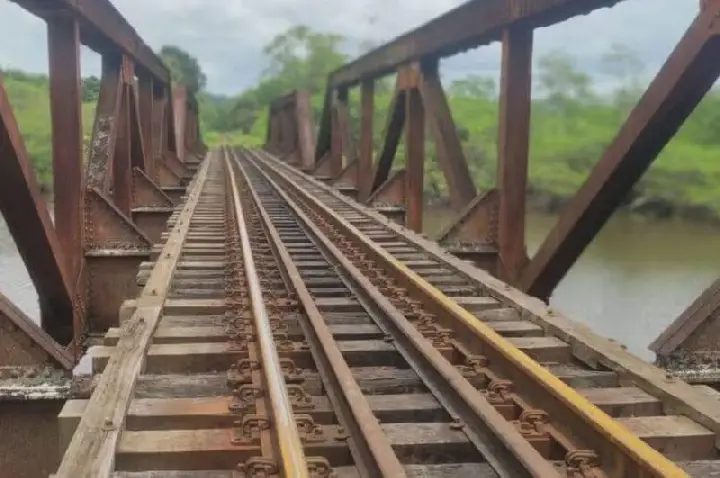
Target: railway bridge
[277, 312]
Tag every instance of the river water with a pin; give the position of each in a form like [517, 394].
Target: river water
[634, 279]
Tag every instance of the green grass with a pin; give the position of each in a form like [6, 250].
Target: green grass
[30, 102]
[564, 146]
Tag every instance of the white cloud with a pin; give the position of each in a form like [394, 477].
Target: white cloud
[228, 37]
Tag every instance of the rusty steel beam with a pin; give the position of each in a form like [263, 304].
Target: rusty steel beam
[393, 131]
[122, 160]
[335, 162]
[688, 325]
[449, 149]
[513, 148]
[146, 107]
[179, 103]
[67, 136]
[104, 30]
[102, 145]
[325, 125]
[365, 159]
[341, 148]
[681, 83]
[30, 225]
[415, 159]
[304, 121]
[475, 23]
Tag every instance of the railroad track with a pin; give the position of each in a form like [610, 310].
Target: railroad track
[678, 420]
[273, 337]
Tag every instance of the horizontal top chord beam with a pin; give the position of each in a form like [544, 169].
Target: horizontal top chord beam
[470, 25]
[104, 30]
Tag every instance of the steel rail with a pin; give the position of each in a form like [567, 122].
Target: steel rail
[292, 455]
[373, 452]
[621, 448]
[500, 443]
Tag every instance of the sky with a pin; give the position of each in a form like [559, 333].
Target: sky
[227, 37]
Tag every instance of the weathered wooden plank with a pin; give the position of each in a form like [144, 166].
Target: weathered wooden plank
[588, 347]
[91, 453]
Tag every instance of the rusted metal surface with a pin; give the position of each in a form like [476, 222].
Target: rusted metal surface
[588, 348]
[91, 453]
[290, 449]
[475, 23]
[476, 225]
[290, 129]
[36, 347]
[146, 112]
[365, 149]
[414, 159]
[102, 142]
[67, 135]
[373, 450]
[693, 333]
[509, 454]
[114, 248]
[513, 147]
[32, 229]
[393, 132]
[681, 83]
[450, 155]
[122, 157]
[180, 112]
[304, 120]
[341, 151]
[104, 30]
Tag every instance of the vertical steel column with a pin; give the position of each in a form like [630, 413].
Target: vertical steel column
[179, 100]
[146, 98]
[337, 135]
[415, 159]
[122, 159]
[513, 146]
[365, 165]
[67, 136]
[304, 121]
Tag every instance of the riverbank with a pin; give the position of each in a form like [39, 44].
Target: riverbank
[644, 207]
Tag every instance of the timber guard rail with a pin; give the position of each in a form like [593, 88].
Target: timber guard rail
[489, 227]
[110, 208]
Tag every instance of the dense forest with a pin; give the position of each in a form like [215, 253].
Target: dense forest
[572, 121]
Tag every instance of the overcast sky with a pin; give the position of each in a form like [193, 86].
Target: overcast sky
[228, 36]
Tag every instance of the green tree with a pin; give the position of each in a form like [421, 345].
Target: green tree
[562, 83]
[625, 65]
[474, 86]
[299, 59]
[184, 68]
[90, 88]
